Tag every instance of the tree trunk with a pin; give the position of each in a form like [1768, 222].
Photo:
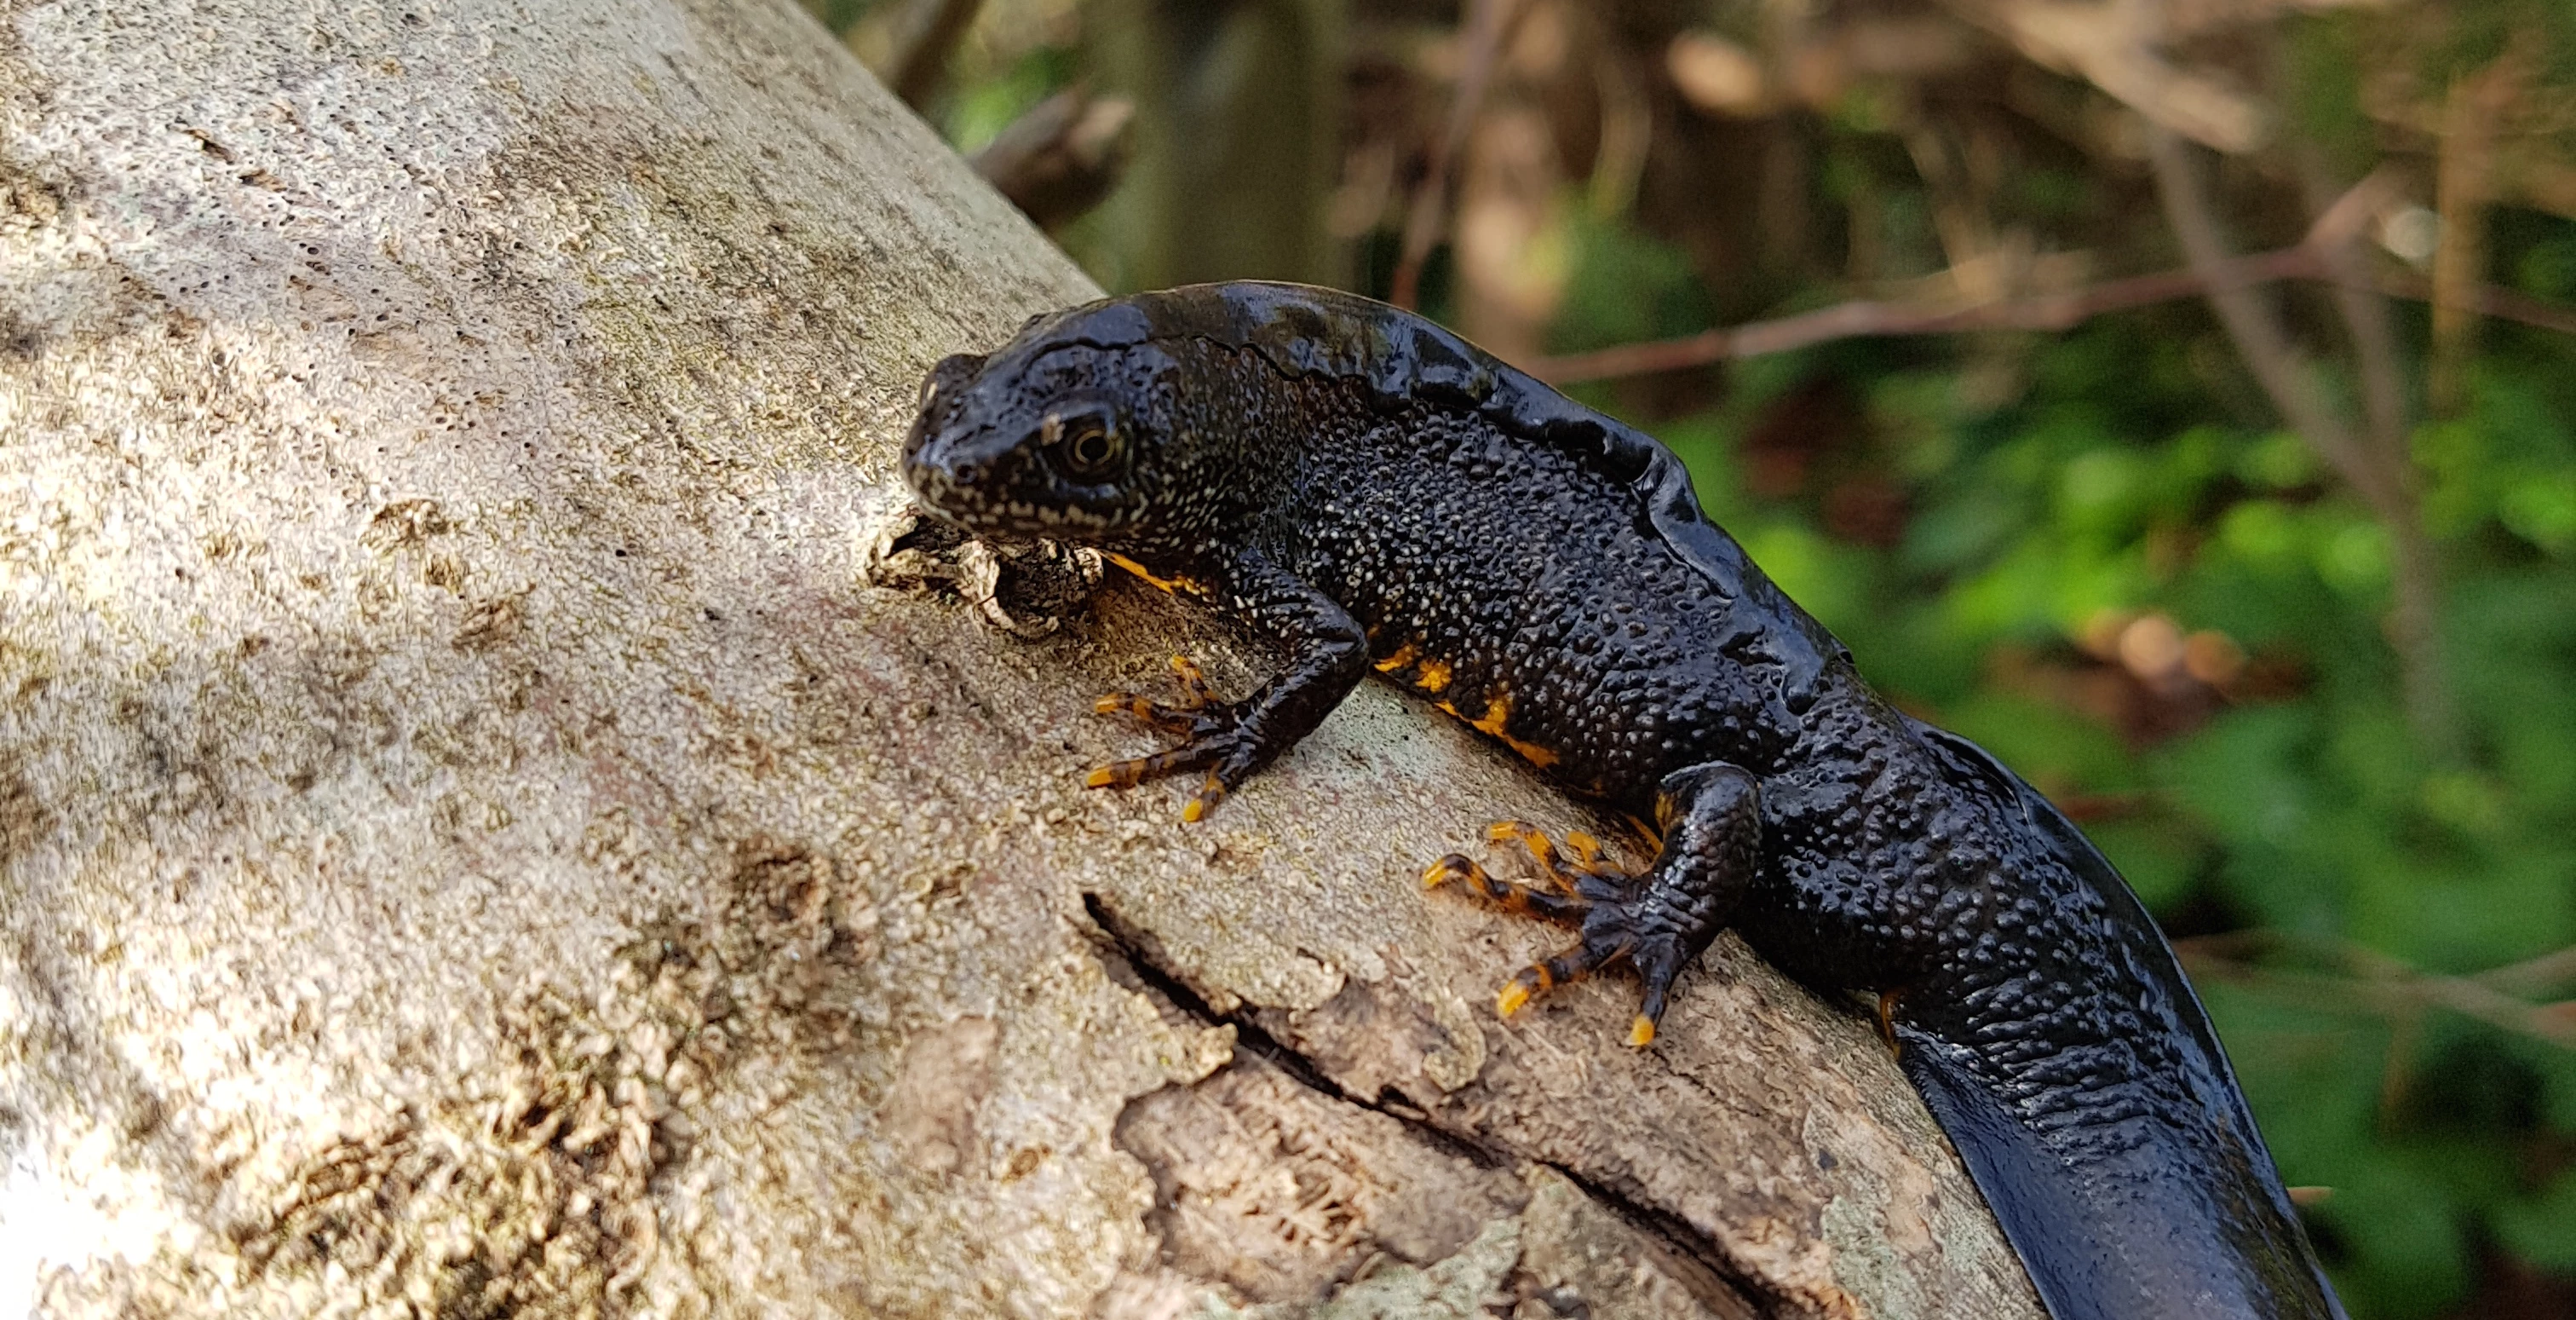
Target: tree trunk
[473, 845]
[1235, 143]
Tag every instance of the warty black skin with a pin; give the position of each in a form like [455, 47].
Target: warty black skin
[1376, 493]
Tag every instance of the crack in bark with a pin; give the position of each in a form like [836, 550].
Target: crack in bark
[1140, 955]
[1676, 1235]
[1143, 954]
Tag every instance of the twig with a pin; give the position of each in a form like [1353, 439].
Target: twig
[2543, 975]
[2464, 185]
[2383, 480]
[931, 31]
[2258, 335]
[1061, 157]
[1880, 320]
[1627, 130]
[2490, 301]
[2389, 986]
[1487, 23]
[2363, 309]
[2397, 1071]
[2114, 47]
[2043, 312]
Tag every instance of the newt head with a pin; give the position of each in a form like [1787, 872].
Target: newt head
[1061, 434]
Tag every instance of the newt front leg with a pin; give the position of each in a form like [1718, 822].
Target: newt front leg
[1231, 741]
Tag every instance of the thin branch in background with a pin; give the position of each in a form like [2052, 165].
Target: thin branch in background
[2115, 47]
[1961, 218]
[929, 34]
[1627, 130]
[2548, 974]
[2463, 188]
[2257, 333]
[1059, 159]
[2497, 304]
[1488, 22]
[2383, 480]
[1881, 320]
[2049, 312]
[2363, 308]
[2397, 1071]
[2374, 981]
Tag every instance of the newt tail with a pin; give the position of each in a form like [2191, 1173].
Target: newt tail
[1377, 495]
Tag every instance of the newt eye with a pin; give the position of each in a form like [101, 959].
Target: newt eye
[1087, 445]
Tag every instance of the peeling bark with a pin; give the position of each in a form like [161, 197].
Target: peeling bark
[473, 846]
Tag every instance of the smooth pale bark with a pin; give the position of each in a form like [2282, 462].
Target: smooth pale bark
[474, 846]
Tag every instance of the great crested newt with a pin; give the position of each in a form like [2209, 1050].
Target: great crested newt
[1377, 494]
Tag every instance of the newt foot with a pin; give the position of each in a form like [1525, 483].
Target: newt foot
[1586, 889]
[1212, 734]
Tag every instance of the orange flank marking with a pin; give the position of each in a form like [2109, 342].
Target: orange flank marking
[1641, 1033]
[1887, 1019]
[1403, 656]
[1432, 676]
[1100, 778]
[1177, 584]
[1497, 711]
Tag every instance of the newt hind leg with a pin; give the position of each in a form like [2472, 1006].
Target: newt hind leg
[1658, 921]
